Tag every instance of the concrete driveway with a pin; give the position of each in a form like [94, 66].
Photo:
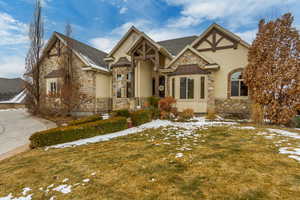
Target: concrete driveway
[16, 126]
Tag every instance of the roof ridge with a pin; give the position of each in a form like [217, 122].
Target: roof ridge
[178, 38]
[80, 42]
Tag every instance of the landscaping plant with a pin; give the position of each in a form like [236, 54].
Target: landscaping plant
[186, 114]
[72, 133]
[167, 108]
[140, 117]
[272, 74]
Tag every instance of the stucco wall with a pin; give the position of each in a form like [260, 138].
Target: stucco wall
[144, 84]
[103, 86]
[228, 59]
[197, 104]
[122, 50]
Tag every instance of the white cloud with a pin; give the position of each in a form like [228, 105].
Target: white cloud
[11, 66]
[103, 43]
[182, 22]
[156, 33]
[123, 10]
[12, 31]
[248, 36]
[232, 12]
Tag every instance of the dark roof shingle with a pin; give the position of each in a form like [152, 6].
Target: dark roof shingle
[174, 46]
[10, 87]
[122, 62]
[93, 54]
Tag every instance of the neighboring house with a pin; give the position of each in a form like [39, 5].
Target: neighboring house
[202, 72]
[12, 91]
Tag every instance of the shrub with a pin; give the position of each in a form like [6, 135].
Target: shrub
[140, 117]
[122, 113]
[166, 104]
[167, 109]
[186, 114]
[71, 133]
[155, 113]
[297, 121]
[153, 101]
[85, 120]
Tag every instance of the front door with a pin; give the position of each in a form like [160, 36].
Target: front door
[162, 86]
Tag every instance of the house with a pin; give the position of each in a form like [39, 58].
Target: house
[12, 92]
[202, 72]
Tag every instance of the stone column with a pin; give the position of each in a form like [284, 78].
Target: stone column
[211, 93]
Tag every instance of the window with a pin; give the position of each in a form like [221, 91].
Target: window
[238, 87]
[119, 93]
[119, 77]
[202, 87]
[53, 87]
[186, 88]
[128, 90]
[129, 76]
[173, 87]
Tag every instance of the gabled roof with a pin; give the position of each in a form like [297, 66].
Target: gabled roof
[223, 30]
[127, 34]
[92, 56]
[174, 46]
[156, 45]
[10, 87]
[188, 47]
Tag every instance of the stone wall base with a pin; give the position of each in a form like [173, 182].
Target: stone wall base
[233, 108]
[4, 106]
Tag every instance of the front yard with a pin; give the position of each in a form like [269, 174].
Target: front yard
[176, 161]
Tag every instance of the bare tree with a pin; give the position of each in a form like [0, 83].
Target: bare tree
[273, 72]
[32, 68]
[71, 96]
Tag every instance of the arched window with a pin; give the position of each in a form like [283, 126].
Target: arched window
[237, 86]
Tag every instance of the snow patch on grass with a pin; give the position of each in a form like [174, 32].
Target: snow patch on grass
[195, 123]
[65, 189]
[10, 197]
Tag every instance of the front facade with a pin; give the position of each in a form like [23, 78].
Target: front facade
[201, 72]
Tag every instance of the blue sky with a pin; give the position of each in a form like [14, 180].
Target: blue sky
[101, 23]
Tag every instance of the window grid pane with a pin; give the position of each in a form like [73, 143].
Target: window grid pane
[202, 86]
[183, 89]
[173, 87]
[190, 89]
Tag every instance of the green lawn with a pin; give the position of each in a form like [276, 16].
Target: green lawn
[167, 163]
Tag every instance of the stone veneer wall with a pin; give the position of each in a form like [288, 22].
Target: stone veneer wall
[87, 79]
[240, 108]
[189, 57]
[211, 93]
[120, 103]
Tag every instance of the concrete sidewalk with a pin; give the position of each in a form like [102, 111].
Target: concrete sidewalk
[16, 126]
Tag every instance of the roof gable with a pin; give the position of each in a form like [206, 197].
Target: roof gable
[90, 56]
[195, 52]
[132, 29]
[216, 38]
[142, 37]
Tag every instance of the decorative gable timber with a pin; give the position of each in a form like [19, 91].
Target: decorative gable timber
[217, 38]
